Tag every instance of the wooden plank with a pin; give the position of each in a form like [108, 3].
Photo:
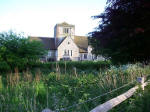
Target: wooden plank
[117, 100]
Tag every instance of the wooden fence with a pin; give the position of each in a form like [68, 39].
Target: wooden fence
[117, 100]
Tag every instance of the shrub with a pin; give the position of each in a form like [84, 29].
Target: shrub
[81, 65]
[18, 51]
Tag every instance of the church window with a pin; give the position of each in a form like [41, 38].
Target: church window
[49, 53]
[68, 52]
[66, 30]
[85, 56]
[65, 52]
[71, 52]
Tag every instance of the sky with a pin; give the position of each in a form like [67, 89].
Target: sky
[38, 17]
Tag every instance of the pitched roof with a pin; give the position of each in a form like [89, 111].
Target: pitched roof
[49, 42]
[61, 40]
[82, 43]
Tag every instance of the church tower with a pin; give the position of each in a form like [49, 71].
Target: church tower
[63, 30]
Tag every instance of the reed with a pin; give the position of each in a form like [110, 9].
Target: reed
[33, 92]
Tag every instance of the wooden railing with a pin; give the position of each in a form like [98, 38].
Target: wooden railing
[115, 101]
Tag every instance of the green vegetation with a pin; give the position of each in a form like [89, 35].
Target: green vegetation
[18, 51]
[140, 102]
[27, 85]
[123, 31]
[35, 91]
[69, 66]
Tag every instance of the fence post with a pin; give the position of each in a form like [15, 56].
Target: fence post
[47, 110]
[108, 105]
[75, 71]
[141, 81]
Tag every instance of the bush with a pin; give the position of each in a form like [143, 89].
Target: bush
[18, 51]
[69, 65]
[4, 67]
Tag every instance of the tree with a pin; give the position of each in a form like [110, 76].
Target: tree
[18, 51]
[123, 34]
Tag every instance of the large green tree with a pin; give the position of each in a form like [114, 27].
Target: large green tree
[18, 51]
[123, 34]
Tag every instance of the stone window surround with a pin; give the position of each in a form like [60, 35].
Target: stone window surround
[68, 52]
[65, 30]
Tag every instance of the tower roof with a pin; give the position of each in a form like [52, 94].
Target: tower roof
[65, 24]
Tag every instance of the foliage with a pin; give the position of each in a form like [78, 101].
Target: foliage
[27, 92]
[123, 32]
[18, 51]
[70, 65]
[142, 101]
[139, 102]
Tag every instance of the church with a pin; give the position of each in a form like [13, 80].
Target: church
[65, 45]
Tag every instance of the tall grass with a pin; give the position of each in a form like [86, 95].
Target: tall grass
[27, 92]
[139, 102]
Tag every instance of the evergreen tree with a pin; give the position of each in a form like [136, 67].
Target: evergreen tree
[123, 34]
